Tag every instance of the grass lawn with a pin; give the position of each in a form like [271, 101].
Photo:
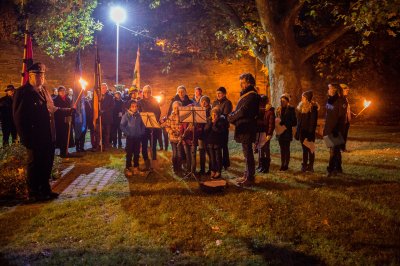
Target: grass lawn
[285, 219]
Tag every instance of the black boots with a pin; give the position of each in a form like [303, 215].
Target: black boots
[263, 165]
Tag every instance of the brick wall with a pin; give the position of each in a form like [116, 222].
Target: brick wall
[190, 72]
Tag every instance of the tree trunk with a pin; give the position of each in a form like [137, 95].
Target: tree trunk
[284, 72]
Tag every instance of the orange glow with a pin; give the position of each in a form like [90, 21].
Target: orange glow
[161, 42]
[83, 83]
[367, 103]
[158, 98]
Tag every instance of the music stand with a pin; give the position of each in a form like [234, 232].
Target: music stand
[194, 115]
[150, 121]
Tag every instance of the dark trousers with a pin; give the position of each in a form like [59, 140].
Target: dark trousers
[215, 155]
[284, 146]
[163, 143]
[249, 160]
[7, 131]
[106, 136]
[40, 164]
[152, 137]
[335, 159]
[202, 154]
[116, 135]
[190, 152]
[132, 149]
[80, 142]
[176, 156]
[264, 153]
[308, 156]
[225, 152]
[345, 134]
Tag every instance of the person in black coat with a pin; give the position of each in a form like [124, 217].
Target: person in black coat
[265, 130]
[205, 103]
[149, 104]
[181, 96]
[118, 111]
[335, 120]
[106, 112]
[6, 116]
[216, 125]
[287, 115]
[33, 111]
[62, 122]
[307, 118]
[226, 108]
[244, 117]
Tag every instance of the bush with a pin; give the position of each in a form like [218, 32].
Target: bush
[13, 163]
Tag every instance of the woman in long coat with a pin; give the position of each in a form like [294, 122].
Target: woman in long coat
[307, 117]
[62, 122]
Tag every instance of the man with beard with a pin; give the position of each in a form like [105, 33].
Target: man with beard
[244, 117]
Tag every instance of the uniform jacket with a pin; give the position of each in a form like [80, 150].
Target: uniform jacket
[244, 117]
[306, 121]
[335, 119]
[288, 118]
[107, 106]
[132, 124]
[34, 117]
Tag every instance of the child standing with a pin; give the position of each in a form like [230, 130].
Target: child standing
[172, 126]
[213, 131]
[205, 103]
[134, 129]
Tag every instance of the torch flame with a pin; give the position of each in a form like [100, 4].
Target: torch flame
[83, 83]
[367, 103]
[158, 98]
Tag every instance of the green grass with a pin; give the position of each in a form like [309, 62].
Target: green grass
[286, 218]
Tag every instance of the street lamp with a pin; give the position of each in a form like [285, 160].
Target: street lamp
[118, 15]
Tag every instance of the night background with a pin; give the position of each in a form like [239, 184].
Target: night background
[286, 218]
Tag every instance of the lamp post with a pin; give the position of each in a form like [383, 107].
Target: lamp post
[118, 15]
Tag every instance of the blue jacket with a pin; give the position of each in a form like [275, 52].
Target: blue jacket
[132, 124]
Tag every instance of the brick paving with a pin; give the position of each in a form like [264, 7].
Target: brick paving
[87, 184]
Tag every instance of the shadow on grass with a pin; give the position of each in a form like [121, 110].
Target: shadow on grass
[277, 255]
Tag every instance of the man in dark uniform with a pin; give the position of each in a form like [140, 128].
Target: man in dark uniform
[33, 111]
[106, 112]
[244, 117]
[6, 116]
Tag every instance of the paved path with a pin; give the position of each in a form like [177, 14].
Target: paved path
[87, 184]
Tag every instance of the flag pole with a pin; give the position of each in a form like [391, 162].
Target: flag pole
[24, 66]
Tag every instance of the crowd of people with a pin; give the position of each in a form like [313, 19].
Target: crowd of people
[45, 122]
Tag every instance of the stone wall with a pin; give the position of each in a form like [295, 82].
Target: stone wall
[207, 74]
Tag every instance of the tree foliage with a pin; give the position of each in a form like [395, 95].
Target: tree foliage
[237, 28]
[61, 26]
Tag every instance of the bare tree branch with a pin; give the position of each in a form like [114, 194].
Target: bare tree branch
[314, 48]
[236, 21]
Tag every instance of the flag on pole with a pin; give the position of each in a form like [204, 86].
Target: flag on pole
[80, 115]
[136, 71]
[27, 61]
[97, 85]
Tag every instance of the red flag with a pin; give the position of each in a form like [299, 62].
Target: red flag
[27, 61]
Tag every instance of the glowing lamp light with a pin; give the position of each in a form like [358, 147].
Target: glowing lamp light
[118, 14]
[83, 83]
[158, 98]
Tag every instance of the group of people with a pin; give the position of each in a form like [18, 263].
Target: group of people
[43, 122]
